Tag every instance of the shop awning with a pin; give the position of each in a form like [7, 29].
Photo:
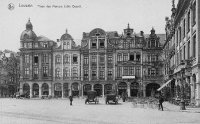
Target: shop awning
[164, 85]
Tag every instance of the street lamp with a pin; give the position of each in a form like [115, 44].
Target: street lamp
[182, 104]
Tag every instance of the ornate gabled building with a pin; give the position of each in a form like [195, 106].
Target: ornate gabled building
[66, 68]
[182, 34]
[118, 63]
[36, 63]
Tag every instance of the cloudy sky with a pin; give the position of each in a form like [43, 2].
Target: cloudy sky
[110, 15]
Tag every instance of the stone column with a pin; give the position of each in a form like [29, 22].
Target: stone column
[50, 90]
[128, 89]
[31, 90]
[192, 88]
[40, 90]
[92, 86]
[70, 89]
[62, 89]
[102, 90]
[82, 90]
[198, 89]
[144, 90]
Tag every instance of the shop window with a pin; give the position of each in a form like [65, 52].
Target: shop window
[131, 58]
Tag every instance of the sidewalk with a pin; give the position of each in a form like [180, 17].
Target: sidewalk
[171, 107]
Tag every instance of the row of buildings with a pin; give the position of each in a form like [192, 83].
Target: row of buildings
[106, 62]
[181, 51]
[135, 63]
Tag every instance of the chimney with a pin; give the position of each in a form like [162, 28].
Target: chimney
[58, 40]
[141, 33]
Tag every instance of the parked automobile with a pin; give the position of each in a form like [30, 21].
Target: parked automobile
[92, 97]
[111, 98]
[22, 95]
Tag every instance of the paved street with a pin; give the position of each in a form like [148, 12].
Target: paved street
[58, 111]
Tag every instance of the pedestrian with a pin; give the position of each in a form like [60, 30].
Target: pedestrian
[71, 99]
[161, 100]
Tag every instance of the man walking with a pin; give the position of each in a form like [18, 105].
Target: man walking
[71, 99]
[161, 100]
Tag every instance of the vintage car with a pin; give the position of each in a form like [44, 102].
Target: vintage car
[92, 97]
[22, 95]
[111, 98]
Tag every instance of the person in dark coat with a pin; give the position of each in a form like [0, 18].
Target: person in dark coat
[71, 99]
[161, 100]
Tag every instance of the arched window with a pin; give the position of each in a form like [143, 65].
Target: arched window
[66, 59]
[75, 72]
[66, 72]
[58, 59]
[119, 57]
[58, 73]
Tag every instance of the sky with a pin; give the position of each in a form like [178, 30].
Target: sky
[52, 21]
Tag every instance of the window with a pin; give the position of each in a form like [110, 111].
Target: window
[26, 72]
[194, 46]
[36, 45]
[86, 62]
[75, 59]
[94, 59]
[45, 71]
[102, 58]
[125, 57]
[131, 57]
[101, 43]
[66, 59]
[184, 53]
[58, 73]
[188, 49]
[184, 28]
[125, 71]
[85, 74]
[66, 73]
[153, 43]
[153, 72]
[131, 70]
[94, 74]
[119, 72]
[177, 38]
[75, 72]
[26, 58]
[138, 72]
[109, 73]
[119, 57]
[25, 45]
[138, 57]
[29, 45]
[153, 58]
[45, 44]
[179, 34]
[109, 57]
[58, 59]
[94, 44]
[148, 58]
[181, 55]
[188, 24]
[194, 14]
[45, 58]
[102, 74]
[125, 44]
[36, 59]
[35, 72]
[149, 71]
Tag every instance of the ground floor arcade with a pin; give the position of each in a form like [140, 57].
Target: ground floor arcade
[78, 88]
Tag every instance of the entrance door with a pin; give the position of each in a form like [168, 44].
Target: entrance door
[151, 89]
[134, 89]
[98, 88]
[122, 88]
[75, 89]
[58, 90]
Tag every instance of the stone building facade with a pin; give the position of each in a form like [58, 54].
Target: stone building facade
[107, 62]
[118, 63]
[183, 58]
